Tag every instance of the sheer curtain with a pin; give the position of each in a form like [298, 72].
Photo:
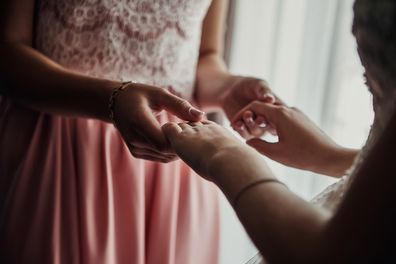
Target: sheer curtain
[305, 50]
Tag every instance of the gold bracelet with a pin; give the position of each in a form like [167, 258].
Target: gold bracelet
[253, 184]
[113, 97]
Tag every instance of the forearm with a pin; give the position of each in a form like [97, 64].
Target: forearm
[35, 81]
[211, 81]
[337, 163]
[285, 228]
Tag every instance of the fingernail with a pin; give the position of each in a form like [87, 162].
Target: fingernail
[268, 98]
[260, 122]
[250, 121]
[247, 115]
[196, 112]
[262, 125]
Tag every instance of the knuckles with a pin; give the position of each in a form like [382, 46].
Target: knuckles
[183, 103]
[283, 110]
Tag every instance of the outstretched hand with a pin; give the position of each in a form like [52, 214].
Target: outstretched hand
[301, 143]
[136, 111]
[241, 92]
[199, 143]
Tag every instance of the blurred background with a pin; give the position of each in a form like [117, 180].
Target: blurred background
[307, 53]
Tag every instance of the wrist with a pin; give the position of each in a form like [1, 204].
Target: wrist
[101, 109]
[225, 91]
[113, 98]
[211, 89]
[229, 175]
[337, 162]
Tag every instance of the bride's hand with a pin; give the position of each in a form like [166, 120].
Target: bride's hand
[135, 114]
[200, 144]
[240, 92]
[301, 143]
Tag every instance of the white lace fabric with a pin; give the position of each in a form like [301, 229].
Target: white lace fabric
[101, 38]
[332, 196]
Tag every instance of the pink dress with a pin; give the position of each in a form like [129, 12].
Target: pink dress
[70, 191]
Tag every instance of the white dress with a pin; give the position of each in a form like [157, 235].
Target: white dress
[331, 197]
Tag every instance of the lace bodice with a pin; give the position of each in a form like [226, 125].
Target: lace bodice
[150, 41]
[331, 197]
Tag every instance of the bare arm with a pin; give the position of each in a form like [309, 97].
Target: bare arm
[285, 228]
[34, 80]
[301, 143]
[212, 73]
[215, 87]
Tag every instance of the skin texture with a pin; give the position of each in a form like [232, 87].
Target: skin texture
[285, 228]
[306, 233]
[30, 77]
[135, 117]
[301, 143]
[216, 88]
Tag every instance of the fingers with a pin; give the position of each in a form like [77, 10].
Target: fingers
[171, 131]
[241, 128]
[264, 94]
[268, 111]
[260, 91]
[248, 119]
[256, 126]
[144, 147]
[152, 158]
[180, 107]
[184, 126]
[150, 129]
[266, 118]
[195, 124]
[139, 146]
[261, 122]
[252, 126]
[148, 154]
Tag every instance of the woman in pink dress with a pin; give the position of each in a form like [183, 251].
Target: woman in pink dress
[70, 190]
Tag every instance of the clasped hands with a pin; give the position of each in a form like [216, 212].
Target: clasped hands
[252, 109]
[137, 109]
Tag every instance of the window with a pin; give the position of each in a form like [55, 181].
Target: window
[305, 50]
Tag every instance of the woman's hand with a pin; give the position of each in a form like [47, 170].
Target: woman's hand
[301, 143]
[136, 109]
[201, 144]
[240, 92]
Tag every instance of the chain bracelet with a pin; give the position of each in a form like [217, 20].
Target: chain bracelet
[253, 184]
[112, 98]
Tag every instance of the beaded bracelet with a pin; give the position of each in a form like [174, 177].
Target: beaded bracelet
[253, 184]
[112, 98]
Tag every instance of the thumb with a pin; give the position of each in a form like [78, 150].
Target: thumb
[181, 108]
[268, 111]
[266, 148]
[171, 131]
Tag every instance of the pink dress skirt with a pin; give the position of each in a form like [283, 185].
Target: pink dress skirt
[70, 191]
